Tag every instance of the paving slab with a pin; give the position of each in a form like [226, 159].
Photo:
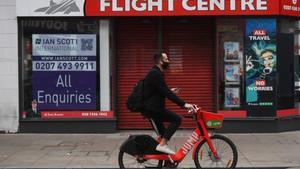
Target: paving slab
[262, 150]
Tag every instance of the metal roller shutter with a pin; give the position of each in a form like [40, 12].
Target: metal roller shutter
[189, 43]
[136, 43]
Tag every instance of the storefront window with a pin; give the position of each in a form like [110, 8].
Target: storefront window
[247, 65]
[297, 61]
[289, 29]
[59, 64]
[230, 37]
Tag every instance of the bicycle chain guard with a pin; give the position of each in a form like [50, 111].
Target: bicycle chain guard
[169, 164]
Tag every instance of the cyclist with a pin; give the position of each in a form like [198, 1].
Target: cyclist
[156, 90]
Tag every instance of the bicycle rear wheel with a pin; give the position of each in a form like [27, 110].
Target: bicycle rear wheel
[127, 161]
[226, 150]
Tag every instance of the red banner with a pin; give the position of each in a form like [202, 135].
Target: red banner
[76, 114]
[181, 7]
[290, 7]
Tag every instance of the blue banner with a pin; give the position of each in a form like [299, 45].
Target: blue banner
[64, 71]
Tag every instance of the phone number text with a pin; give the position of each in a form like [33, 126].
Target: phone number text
[64, 66]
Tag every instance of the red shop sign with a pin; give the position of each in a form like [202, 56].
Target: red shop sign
[290, 7]
[180, 7]
[76, 114]
[73, 8]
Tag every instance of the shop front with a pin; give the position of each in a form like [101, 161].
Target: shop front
[79, 60]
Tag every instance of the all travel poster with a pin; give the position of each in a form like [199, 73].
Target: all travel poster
[261, 67]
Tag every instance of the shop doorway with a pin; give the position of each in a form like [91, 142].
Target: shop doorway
[190, 45]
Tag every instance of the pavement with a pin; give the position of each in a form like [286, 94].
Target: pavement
[267, 150]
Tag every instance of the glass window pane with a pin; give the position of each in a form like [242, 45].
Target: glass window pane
[59, 65]
[230, 34]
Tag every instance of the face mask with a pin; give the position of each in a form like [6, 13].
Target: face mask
[165, 65]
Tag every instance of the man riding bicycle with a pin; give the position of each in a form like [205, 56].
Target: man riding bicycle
[156, 90]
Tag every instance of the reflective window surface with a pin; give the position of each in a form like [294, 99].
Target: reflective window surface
[58, 66]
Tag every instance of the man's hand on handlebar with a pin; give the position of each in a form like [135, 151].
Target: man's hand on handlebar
[175, 90]
[192, 108]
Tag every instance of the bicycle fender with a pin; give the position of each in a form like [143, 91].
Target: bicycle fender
[129, 146]
[140, 144]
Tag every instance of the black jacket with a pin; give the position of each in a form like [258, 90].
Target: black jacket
[155, 92]
[31, 113]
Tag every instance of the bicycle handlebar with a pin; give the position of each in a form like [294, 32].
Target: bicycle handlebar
[194, 109]
[192, 112]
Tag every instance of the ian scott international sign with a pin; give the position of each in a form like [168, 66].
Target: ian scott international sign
[64, 71]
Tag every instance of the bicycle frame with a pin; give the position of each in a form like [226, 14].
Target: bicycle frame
[199, 133]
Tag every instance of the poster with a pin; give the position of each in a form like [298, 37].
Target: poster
[232, 75]
[232, 97]
[261, 67]
[64, 71]
[231, 50]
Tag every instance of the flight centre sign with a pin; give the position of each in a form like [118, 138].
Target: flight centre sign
[182, 7]
[154, 7]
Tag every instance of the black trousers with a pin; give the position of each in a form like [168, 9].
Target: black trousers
[165, 116]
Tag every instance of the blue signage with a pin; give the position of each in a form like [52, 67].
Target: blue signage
[64, 71]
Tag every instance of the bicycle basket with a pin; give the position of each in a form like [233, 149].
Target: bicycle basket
[212, 120]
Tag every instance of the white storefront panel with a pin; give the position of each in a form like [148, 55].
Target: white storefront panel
[9, 105]
[50, 8]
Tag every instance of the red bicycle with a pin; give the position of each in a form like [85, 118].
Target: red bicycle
[210, 150]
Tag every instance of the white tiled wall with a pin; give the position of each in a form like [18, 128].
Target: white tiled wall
[9, 118]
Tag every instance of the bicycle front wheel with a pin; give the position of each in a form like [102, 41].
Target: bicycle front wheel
[127, 161]
[226, 150]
